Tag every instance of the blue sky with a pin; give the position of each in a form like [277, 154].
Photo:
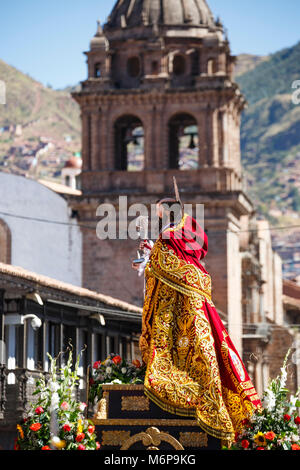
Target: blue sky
[46, 38]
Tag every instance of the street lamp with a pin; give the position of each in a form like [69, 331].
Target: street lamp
[17, 319]
[36, 322]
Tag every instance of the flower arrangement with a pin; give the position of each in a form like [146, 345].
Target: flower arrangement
[56, 420]
[276, 426]
[114, 370]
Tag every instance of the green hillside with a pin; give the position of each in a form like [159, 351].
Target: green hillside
[270, 133]
[27, 100]
[272, 77]
[39, 127]
[247, 62]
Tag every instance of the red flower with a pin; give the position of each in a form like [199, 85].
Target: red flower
[81, 447]
[260, 448]
[97, 365]
[35, 427]
[270, 436]
[16, 446]
[91, 429]
[92, 381]
[66, 427]
[25, 420]
[80, 437]
[97, 446]
[297, 420]
[39, 410]
[136, 363]
[236, 436]
[245, 444]
[295, 447]
[46, 448]
[286, 418]
[245, 422]
[117, 360]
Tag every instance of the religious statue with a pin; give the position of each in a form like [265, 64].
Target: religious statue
[192, 367]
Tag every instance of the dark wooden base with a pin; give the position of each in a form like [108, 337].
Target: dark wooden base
[128, 420]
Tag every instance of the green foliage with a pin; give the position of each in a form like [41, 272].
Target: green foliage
[56, 420]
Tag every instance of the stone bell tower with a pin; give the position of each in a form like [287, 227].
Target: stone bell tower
[161, 74]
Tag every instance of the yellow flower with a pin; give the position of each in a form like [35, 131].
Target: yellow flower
[19, 428]
[79, 427]
[58, 443]
[260, 439]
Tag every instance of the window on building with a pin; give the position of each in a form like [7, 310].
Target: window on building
[195, 62]
[53, 339]
[97, 70]
[124, 348]
[183, 142]
[155, 67]
[179, 65]
[68, 180]
[133, 67]
[99, 347]
[129, 144]
[34, 348]
[211, 66]
[70, 337]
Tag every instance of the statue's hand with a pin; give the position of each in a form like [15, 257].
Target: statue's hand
[135, 266]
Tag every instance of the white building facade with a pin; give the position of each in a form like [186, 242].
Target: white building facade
[37, 231]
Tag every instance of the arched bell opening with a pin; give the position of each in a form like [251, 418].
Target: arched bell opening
[183, 142]
[129, 144]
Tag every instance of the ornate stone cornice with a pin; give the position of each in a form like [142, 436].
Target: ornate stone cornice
[215, 97]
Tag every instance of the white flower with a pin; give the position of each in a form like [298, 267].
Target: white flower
[295, 438]
[123, 370]
[53, 386]
[82, 406]
[293, 401]
[116, 381]
[269, 401]
[283, 377]
[108, 370]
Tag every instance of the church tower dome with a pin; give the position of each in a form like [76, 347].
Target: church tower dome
[99, 41]
[133, 13]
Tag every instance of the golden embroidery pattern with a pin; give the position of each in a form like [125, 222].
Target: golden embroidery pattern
[182, 374]
[177, 344]
[182, 276]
